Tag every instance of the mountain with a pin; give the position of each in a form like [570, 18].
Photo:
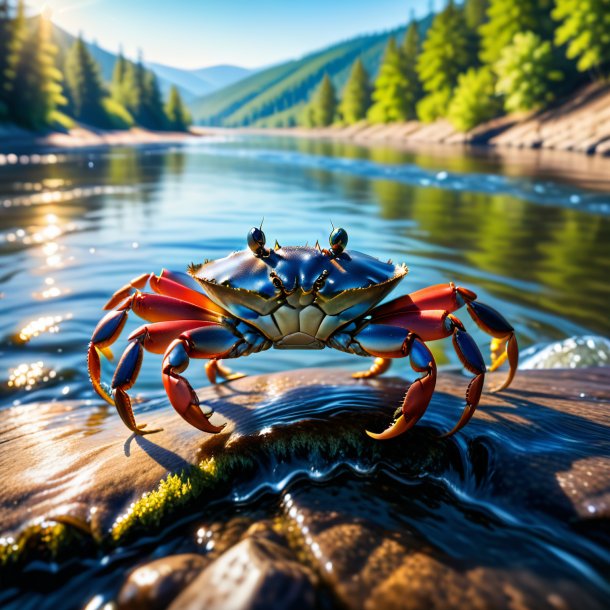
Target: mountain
[222, 75]
[276, 96]
[201, 81]
[190, 83]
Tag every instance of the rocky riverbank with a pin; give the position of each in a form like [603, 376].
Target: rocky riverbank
[293, 506]
[579, 124]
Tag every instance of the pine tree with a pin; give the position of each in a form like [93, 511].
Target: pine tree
[356, 97]
[585, 28]
[133, 90]
[525, 73]
[410, 51]
[178, 117]
[390, 96]
[35, 89]
[117, 87]
[475, 13]
[84, 88]
[474, 99]
[15, 43]
[447, 51]
[5, 40]
[153, 111]
[508, 17]
[325, 103]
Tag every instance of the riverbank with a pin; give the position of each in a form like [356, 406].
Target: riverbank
[14, 138]
[579, 124]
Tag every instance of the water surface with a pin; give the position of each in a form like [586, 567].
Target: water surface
[74, 226]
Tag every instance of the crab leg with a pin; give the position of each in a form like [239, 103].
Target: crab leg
[213, 368]
[379, 366]
[393, 342]
[213, 341]
[172, 284]
[449, 297]
[382, 340]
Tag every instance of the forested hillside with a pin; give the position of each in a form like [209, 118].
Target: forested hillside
[278, 95]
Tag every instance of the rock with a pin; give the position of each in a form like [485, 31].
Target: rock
[510, 508]
[572, 353]
[255, 574]
[353, 541]
[154, 585]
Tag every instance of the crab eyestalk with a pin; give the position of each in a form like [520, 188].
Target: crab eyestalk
[256, 242]
[338, 241]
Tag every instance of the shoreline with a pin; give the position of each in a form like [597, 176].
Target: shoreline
[580, 123]
[15, 139]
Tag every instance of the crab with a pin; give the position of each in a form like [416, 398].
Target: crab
[293, 298]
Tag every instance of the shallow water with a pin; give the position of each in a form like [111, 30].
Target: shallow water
[532, 242]
[75, 226]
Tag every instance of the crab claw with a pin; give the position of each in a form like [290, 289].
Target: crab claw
[185, 401]
[504, 344]
[179, 391]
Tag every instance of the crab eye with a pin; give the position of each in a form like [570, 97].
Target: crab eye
[256, 241]
[338, 241]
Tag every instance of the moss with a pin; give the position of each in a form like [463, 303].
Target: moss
[45, 541]
[311, 442]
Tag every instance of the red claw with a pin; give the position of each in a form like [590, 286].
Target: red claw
[185, 401]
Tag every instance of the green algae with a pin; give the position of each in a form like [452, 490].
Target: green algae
[49, 541]
[235, 461]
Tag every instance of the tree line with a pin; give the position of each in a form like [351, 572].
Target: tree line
[39, 90]
[477, 60]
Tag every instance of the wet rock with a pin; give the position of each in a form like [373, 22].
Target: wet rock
[370, 562]
[571, 353]
[154, 585]
[254, 574]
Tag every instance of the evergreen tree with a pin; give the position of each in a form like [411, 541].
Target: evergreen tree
[447, 51]
[525, 73]
[356, 97]
[84, 88]
[117, 87]
[410, 50]
[178, 117]
[585, 28]
[5, 41]
[325, 103]
[475, 13]
[508, 17]
[153, 112]
[391, 94]
[474, 99]
[35, 89]
[17, 29]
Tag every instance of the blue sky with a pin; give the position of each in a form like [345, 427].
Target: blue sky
[192, 34]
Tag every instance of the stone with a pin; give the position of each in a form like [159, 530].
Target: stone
[154, 585]
[255, 574]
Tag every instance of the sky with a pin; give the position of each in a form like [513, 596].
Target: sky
[250, 33]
